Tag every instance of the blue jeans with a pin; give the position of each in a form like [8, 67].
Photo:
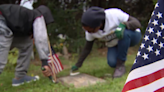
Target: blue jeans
[129, 39]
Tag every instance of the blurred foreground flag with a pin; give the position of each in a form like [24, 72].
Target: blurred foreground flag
[54, 62]
[147, 72]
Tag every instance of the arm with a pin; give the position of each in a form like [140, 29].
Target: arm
[132, 23]
[41, 39]
[87, 49]
[126, 21]
[41, 43]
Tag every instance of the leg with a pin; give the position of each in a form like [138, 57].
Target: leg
[130, 38]
[112, 56]
[25, 47]
[5, 43]
[6, 37]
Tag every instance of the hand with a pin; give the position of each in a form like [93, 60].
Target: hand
[46, 72]
[120, 30]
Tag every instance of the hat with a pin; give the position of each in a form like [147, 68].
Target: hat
[45, 11]
[93, 17]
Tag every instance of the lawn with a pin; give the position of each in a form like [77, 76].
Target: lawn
[95, 65]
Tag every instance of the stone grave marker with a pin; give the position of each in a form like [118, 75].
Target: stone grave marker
[80, 80]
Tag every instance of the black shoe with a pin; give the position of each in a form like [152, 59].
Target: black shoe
[119, 71]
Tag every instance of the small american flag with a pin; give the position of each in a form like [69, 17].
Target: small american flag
[147, 72]
[54, 62]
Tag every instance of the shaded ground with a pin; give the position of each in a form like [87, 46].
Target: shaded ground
[132, 50]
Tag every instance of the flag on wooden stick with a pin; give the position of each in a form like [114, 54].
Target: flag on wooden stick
[147, 72]
[54, 62]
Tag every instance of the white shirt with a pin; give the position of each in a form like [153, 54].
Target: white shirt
[113, 17]
[27, 3]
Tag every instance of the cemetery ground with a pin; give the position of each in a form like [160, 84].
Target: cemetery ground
[94, 65]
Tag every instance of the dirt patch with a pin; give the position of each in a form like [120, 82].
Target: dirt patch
[36, 62]
[103, 51]
[66, 66]
[133, 50]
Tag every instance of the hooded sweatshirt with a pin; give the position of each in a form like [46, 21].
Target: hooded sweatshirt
[25, 22]
[20, 20]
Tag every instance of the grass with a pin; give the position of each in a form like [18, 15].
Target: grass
[95, 65]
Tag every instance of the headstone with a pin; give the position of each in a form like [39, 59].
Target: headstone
[80, 80]
[65, 52]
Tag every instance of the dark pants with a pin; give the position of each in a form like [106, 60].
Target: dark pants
[129, 39]
[8, 41]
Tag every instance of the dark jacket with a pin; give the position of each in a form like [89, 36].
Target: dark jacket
[20, 20]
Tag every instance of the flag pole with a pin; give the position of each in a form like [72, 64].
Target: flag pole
[53, 70]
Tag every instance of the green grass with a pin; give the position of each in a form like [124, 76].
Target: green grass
[95, 65]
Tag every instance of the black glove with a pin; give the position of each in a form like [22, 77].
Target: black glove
[44, 62]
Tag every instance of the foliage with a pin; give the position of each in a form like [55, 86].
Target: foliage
[13, 56]
[155, 1]
[67, 14]
[67, 22]
[58, 46]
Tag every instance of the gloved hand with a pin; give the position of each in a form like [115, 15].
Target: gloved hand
[74, 68]
[46, 71]
[120, 30]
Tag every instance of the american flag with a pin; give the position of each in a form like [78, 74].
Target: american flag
[147, 72]
[54, 62]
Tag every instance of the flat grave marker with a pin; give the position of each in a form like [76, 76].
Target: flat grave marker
[80, 80]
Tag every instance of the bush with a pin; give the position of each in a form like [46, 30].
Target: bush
[13, 56]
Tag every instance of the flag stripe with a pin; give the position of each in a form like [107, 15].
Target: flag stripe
[137, 73]
[53, 67]
[144, 80]
[59, 62]
[55, 60]
[50, 65]
[57, 67]
[151, 87]
[160, 90]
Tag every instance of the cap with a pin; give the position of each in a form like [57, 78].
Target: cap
[93, 17]
[45, 11]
